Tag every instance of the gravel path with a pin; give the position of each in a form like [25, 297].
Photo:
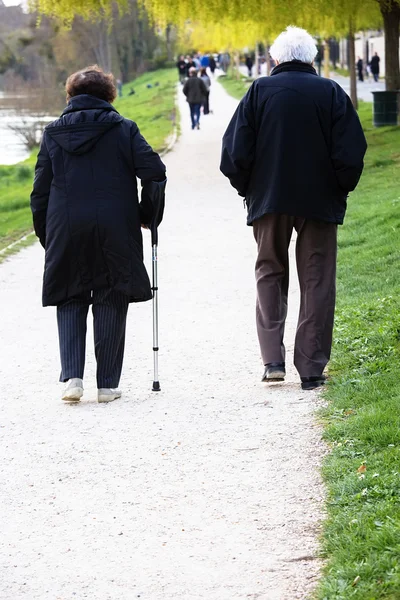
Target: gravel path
[209, 489]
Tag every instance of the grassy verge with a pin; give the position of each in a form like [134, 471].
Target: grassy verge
[236, 87]
[362, 472]
[153, 109]
[343, 72]
[15, 187]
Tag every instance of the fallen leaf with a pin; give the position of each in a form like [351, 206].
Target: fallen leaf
[362, 469]
[357, 579]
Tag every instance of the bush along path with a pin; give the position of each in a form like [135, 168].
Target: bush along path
[152, 106]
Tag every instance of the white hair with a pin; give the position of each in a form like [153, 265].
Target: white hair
[294, 44]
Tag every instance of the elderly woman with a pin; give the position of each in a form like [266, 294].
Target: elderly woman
[87, 216]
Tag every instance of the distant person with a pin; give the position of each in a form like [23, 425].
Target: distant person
[360, 69]
[205, 61]
[374, 64]
[207, 82]
[119, 88]
[196, 60]
[276, 154]
[213, 65]
[87, 216]
[190, 64]
[224, 62]
[249, 65]
[181, 66]
[196, 94]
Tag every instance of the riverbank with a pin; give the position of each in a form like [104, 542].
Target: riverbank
[152, 107]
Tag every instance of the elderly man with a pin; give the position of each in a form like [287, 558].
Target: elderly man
[294, 150]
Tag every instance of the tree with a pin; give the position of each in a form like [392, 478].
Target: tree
[234, 20]
[390, 10]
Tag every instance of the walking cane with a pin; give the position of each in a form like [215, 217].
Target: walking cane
[157, 193]
[154, 244]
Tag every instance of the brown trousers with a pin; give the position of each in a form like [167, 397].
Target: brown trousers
[316, 249]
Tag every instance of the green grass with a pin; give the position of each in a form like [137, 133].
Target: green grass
[362, 532]
[15, 188]
[154, 111]
[236, 87]
[343, 72]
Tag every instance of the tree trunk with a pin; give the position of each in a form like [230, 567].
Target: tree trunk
[327, 65]
[391, 20]
[256, 61]
[268, 59]
[168, 42]
[352, 68]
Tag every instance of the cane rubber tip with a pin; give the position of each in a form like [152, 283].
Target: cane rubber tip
[156, 386]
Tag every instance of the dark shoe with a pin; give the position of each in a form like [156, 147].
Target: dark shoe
[311, 383]
[274, 372]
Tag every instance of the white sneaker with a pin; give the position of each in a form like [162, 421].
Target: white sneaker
[108, 394]
[73, 391]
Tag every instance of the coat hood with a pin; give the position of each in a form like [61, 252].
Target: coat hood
[83, 122]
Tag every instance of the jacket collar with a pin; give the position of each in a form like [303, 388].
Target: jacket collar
[294, 65]
[87, 102]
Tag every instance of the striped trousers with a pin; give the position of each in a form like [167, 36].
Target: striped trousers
[110, 309]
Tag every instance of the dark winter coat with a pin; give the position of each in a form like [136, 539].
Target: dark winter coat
[181, 66]
[374, 65]
[85, 202]
[189, 65]
[294, 146]
[195, 90]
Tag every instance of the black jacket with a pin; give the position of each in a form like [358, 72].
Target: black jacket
[294, 146]
[85, 202]
[195, 90]
[374, 64]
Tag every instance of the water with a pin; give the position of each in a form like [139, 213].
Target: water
[12, 147]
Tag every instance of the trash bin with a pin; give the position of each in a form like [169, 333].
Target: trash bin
[386, 108]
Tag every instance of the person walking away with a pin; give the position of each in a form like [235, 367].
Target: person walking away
[249, 65]
[294, 150]
[196, 94]
[213, 65]
[190, 64]
[360, 69]
[196, 61]
[119, 88]
[87, 216]
[374, 64]
[181, 66]
[207, 82]
[205, 61]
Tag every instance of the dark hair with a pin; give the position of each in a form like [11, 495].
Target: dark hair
[92, 80]
[203, 71]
